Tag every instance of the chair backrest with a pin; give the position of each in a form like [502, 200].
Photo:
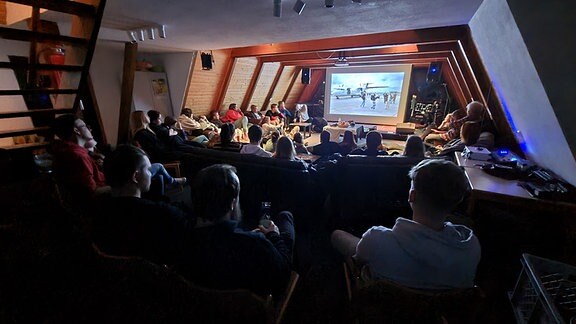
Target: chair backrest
[283, 302]
[131, 289]
[383, 301]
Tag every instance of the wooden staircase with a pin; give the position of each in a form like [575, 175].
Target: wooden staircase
[53, 78]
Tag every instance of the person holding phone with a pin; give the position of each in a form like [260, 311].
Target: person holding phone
[220, 255]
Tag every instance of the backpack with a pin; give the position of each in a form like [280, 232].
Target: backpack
[318, 124]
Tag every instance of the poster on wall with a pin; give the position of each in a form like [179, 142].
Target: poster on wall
[160, 87]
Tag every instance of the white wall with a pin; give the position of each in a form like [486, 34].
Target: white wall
[106, 74]
[520, 89]
[177, 67]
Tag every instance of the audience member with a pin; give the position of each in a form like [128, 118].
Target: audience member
[255, 136]
[475, 111]
[348, 143]
[373, 145]
[188, 123]
[302, 113]
[284, 111]
[236, 117]
[270, 145]
[224, 141]
[222, 256]
[126, 224]
[326, 147]
[425, 252]
[147, 139]
[178, 139]
[285, 150]
[275, 115]
[414, 147]
[254, 116]
[73, 165]
[156, 125]
[469, 134]
[215, 118]
[268, 127]
[299, 144]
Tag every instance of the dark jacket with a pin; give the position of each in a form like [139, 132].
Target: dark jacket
[223, 256]
[130, 226]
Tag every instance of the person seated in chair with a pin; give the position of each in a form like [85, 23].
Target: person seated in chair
[224, 141]
[255, 136]
[373, 145]
[414, 147]
[73, 164]
[348, 143]
[235, 116]
[254, 116]
[125, 224]
[475, 111]
[425, 252]
[326, 147]
[219, 254]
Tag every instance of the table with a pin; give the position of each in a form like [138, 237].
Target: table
[304, 127]
[490, 188]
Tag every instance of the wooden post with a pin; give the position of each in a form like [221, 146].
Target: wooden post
[130, 50]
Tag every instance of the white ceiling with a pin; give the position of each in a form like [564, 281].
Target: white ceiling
[215, 24]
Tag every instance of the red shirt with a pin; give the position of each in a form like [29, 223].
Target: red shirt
[231, 116]
[76, 168]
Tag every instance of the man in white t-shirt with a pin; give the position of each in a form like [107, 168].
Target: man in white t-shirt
[255, 136]
[426, 252]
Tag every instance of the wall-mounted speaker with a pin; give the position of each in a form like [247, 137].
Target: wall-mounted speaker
[306, 75]
[206, 59]
[434, 72]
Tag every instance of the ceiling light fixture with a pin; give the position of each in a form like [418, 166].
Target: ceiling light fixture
[299, 6]
[132, 36]
[162, 31]
[277, 8]
[152, 31]
[141, 35]
[329, 3]
[357, 1]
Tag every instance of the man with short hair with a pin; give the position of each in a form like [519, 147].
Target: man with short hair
[373, 145]
[425, 252]
[157, 126]
[275, 115]
[255, 136]
[254, 116]
[287, 113]
[326, 147]
[219, 254]
[236, 117]
[73, 165]
[126, 224]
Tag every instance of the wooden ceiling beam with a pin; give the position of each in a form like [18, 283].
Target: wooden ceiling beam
[438, 34]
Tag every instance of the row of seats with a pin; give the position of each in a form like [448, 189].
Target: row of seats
[344, 191]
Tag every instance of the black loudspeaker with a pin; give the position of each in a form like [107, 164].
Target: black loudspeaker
[306, 76]
[206, 61]
[434, 72]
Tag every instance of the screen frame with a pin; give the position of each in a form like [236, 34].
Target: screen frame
[399, 118]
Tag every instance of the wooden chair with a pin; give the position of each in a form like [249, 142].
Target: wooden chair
[135, 290]
[384, 301]
[280, 307]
